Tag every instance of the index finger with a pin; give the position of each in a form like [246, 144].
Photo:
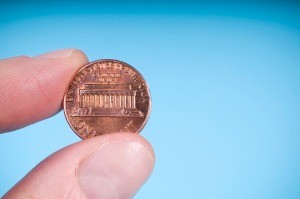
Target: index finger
[32, 89]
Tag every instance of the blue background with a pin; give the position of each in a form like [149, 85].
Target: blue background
[224, 79]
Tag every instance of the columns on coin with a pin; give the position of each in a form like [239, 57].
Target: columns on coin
[108, 100]
[133, 100]
[129, 101]
[83, 100]
[87, 100]
[91, 100]
[104, 101]
[96, 101]
[125, 101]
[86, 97]
[80, 101]
[115, 101]
[100, 100]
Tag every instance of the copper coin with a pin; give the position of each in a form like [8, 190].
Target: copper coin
[107, 96]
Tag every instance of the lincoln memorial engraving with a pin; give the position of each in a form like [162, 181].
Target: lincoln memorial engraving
[117, 100]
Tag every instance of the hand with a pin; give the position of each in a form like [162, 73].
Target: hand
[109, 166]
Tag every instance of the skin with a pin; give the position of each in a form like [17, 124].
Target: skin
[110, 166]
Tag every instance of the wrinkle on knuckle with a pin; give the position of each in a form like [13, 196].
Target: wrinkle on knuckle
[74, 192]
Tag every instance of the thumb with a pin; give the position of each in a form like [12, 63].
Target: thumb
[105, 167]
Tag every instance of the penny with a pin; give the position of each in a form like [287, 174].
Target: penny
[107, 96]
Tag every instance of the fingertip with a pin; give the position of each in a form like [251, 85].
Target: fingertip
[80, 56]
[35, 86]
[118, 169]
[130, 137]
[63, 53]
[70, 57]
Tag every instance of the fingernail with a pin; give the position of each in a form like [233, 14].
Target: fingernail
[115, 171]
[56, 54]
